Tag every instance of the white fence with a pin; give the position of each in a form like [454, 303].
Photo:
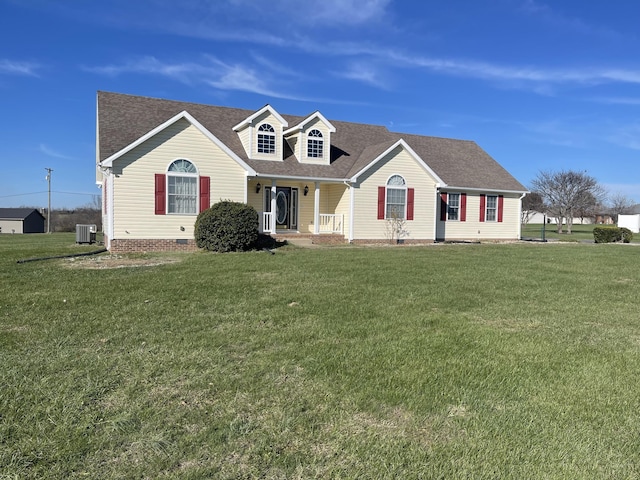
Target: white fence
[330, 223]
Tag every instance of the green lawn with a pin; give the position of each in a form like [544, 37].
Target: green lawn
[579, 232]
[515, 361]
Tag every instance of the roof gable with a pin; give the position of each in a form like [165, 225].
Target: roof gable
[316, 115]
[402, 144]
[108, 162]
[249, 120]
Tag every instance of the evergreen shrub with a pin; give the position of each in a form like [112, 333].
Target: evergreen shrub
[227, 227]
[609, 234]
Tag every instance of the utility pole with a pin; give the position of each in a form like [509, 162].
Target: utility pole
[49, 170]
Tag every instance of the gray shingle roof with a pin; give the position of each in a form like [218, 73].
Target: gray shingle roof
[122, 119]
[17, 213]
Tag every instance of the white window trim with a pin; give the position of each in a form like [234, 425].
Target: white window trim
[458, 207]
[265, 133]
[182, 174]
[395, 187]
[486, 208]
[320, 141]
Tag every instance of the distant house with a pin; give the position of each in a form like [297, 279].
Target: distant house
[21, 220]
[161, 162]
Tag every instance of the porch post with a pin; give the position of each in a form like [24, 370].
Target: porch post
[273, 205]
[316, 209]
[352, 207]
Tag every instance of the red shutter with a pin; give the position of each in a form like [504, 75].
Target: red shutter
[483, 205]
[205, 183]
[443, 207]
[463, 207]
[500, 206]
[160, 194]
[381, 203]
[410, 195]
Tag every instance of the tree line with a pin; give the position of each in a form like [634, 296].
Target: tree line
[567, 194]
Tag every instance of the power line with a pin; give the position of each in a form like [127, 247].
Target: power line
[52, 191]
[22, 194]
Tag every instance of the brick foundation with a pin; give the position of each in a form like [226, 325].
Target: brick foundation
[152, 245]
[385, 241]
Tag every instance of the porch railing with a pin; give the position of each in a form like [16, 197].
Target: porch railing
[267, 222]
[330, 223]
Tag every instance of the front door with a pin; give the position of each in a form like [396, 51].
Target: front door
[286, 216]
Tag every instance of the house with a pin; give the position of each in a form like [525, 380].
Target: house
[21, 220]
[161, 162]
[631, 221]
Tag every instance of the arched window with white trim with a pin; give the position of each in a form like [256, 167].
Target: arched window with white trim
[182, 187]
[266, 139]
[395, 199]
[396, 196]
[315, 144]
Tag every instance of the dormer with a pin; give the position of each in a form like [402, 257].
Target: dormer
[310, 140]
[261, 134]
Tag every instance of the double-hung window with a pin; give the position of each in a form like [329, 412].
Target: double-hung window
[266, 139]
[315, 144]
[491, 211]
[396, 196]
[453, 206]
[182, 187]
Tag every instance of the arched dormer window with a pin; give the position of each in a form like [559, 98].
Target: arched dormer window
[266, 139]
[315, 144]
[182, 187]
[396, 196]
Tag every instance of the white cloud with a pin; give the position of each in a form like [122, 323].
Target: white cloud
[322, 12]
[211, 71]
[11, 67]
[617, 100]
[627, 137]
[565, 23]
[365, 73]
[51, 153]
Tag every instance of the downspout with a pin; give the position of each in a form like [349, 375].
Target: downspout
[520, 216]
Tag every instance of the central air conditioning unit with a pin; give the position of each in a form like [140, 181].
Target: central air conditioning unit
[86, 233]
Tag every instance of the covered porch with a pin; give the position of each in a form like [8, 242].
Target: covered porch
[294, 207]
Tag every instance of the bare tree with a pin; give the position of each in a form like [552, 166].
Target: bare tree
[619, 204]
[567, 193]
[532, 204]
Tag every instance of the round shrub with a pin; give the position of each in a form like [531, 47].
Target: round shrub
[226, 227]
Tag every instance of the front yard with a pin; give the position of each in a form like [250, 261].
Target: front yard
[444, 361]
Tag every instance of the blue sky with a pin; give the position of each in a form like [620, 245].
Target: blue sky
[538, 85]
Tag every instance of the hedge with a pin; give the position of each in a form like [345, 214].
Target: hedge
[612, 234]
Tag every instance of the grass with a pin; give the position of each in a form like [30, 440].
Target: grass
[448, 361]
[579, 232]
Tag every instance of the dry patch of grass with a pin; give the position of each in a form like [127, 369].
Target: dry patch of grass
[103, 262]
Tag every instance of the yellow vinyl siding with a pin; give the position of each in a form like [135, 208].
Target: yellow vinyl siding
[301, 142]
[134, 186]
[266, 117]
[255, 199]
[397, 162]
[245, 138]
[339, 204]
[474, 229]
